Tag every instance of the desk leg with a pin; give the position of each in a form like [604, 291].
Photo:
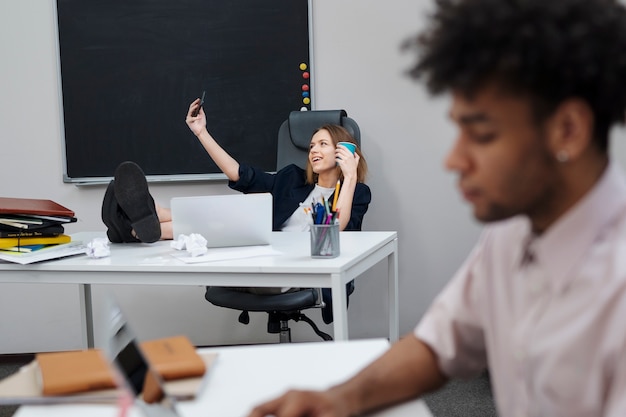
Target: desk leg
[392, 281]
[340, 308]
[86, 314]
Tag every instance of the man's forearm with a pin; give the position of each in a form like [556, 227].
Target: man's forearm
[407, 370]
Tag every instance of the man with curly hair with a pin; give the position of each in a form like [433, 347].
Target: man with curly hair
[536, 86]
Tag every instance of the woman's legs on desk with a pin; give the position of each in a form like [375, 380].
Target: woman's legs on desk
[129, 211]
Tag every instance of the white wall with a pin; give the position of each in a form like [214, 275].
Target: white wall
[358, 66]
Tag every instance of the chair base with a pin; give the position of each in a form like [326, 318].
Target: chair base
[279, 323]
[285, 333]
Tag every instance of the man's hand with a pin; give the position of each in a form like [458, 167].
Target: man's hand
[405, 371]
[303, 404]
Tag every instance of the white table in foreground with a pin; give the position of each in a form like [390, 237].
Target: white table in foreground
[153, 264]
[245, 376]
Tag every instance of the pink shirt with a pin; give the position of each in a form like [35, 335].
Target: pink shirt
[547, 314]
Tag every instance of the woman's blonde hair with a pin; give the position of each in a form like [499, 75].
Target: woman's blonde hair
[339, 134]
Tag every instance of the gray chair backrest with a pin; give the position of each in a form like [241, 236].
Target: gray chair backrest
[295, 134]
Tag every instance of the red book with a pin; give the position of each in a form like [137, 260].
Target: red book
[10, 205]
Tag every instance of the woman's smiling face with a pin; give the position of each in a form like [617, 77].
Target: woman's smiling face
[322, 152]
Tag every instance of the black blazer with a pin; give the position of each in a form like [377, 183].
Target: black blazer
[288, 189]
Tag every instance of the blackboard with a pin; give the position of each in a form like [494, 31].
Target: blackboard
[130, 69]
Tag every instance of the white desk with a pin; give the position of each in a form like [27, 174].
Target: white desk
[153, 264]
[245, 376]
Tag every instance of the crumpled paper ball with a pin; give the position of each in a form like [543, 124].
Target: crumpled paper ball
[98, 248]
[194, 243]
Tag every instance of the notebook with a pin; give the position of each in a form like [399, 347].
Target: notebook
[86, 371]
[224, 220]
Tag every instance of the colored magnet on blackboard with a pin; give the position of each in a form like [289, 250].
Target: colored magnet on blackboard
[305, 87]
[305, 94]
[303, 108]
[305, 75]
[306, 100]
[303, 66]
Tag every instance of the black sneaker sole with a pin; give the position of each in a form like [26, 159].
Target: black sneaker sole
[133, 196]
[118, 227]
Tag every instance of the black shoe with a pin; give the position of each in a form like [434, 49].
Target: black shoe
[131, 192]
[119, 229]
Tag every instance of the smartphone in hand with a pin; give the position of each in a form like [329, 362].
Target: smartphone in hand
[195, 112]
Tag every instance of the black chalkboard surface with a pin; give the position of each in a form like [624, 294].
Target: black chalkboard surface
[130, 69]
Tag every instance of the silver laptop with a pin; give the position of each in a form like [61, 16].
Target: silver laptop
[224, 220]
[134, 372]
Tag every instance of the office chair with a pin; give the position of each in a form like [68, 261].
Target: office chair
[294, 137]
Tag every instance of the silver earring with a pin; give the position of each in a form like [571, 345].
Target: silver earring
[562, 156]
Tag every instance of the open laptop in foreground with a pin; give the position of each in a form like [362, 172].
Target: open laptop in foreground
[133, 370]
[224, 220]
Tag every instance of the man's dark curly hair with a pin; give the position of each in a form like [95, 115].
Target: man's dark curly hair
[549, 50]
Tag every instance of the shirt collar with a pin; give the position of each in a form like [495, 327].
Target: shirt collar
[567, 240]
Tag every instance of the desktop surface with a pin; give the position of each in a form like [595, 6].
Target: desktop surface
[244, 376]
[294, 248]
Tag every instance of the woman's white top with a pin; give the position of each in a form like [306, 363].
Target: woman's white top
[301, 220]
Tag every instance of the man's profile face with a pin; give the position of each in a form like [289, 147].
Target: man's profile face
[501, 156]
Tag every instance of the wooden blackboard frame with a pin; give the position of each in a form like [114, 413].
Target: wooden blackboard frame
[125, 98]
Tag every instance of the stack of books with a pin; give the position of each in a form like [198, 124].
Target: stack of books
[28, 225]
[87, 375]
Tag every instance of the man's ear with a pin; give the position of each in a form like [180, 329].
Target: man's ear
[570, 130]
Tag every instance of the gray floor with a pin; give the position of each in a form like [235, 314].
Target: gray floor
[470, 398]
[460, 398]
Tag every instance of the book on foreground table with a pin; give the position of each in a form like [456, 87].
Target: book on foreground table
[73, 371]
[88, 370]
[85, 375]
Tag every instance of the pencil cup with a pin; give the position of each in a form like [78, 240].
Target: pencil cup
[324, 241]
